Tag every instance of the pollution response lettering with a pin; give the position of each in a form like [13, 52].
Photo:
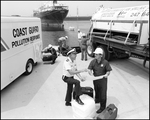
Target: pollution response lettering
[25, 41]
[20, 42]
[31, 32]
[32, 38]
[19, 32]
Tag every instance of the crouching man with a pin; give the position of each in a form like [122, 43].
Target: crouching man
[49, 54]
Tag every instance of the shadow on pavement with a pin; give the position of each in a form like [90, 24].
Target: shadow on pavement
[132, 66]
[21, 91]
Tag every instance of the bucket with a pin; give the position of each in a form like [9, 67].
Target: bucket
[87, 110]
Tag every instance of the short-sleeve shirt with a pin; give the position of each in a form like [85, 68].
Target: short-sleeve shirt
[62, 42]
[50, 50]
[99, 68]
[79, 35]
[69, 65]
[84, 41]
[61, 39]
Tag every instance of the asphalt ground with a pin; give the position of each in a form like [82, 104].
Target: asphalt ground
[41, 95]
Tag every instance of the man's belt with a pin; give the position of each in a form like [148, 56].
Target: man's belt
[63, 77]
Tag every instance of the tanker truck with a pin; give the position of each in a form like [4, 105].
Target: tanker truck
[120, 32]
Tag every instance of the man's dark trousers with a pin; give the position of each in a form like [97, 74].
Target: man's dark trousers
[83, 52]
[70, 82]
[100, 87]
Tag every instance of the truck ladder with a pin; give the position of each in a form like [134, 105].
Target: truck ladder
[129, 32]
[108, 29]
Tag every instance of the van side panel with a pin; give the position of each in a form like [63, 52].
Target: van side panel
[21, 40]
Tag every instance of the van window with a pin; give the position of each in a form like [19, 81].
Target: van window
[2, 48]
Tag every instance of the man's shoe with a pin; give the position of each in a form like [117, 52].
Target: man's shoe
[99, 110]
[52, 62]
[96, 101]
[68, 104]
[79, 101]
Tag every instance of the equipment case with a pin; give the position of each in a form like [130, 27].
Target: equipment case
[109, 113]
[85, 90]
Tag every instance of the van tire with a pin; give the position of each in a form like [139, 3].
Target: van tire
[90, 50]
[29, 67]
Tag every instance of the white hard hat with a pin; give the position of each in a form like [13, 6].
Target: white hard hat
[98, 51]
[78, 30]
[66, 37]
[49, 45]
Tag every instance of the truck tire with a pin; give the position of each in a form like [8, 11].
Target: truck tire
[29, 67]
[107, 55]
[90, 50]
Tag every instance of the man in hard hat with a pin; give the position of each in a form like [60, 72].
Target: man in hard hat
[69, 70]
[63, 48]
[79, 35]
[100, 69]
[49, 54]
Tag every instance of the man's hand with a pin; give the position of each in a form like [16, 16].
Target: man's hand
[106, 75]
[82, 79]
[90, 72]
[84, 70]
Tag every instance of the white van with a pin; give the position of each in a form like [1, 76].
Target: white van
[21, 45]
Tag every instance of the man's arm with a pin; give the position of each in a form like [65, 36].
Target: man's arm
[90, 72]
[94, 77]
[53, 51]
[103, 76]
[75, 71]
[107, 74]
[46, 54]
[44, 50]
[80, 77]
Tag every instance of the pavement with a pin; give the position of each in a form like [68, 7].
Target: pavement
[41, 95]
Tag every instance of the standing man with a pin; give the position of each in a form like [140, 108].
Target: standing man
[79, 35]
[100, 69]
[49, 54]
[69, 70]
[83, 47]
[62, 45]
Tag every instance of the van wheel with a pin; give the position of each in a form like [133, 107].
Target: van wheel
[29, 67]
[90, 50]
[107, 55]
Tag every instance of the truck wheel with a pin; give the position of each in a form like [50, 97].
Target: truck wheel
[29, 67]
[107, 55]
[90, 50]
